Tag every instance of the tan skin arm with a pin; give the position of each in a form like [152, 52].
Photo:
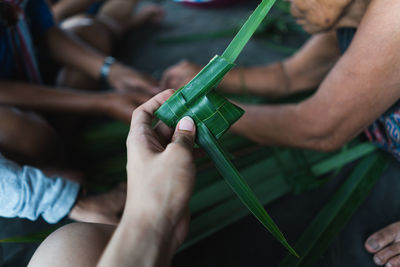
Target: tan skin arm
[28, 96]
[304, 70]
[70, 51]
[363, 84]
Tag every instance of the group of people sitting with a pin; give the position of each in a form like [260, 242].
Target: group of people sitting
[351, 57]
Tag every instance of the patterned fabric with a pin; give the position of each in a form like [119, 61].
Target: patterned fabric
[19, 33]
[385, 131]
[20, 41]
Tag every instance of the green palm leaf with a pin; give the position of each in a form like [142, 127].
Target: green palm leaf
[214, 115]
[338, 211]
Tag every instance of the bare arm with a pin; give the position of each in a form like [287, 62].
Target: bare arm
[27, 96]
[70, 51]
[304, 70]
[363, 84]
[30, 96]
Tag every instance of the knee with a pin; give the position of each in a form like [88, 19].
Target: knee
[91, 31]
[27, 137]
[76, 244]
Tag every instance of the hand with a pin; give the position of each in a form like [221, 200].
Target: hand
[322, 15]
[179, 75]
[161, 172]
[104, 209]
[124, 79]
[385, 244]
[121, 106]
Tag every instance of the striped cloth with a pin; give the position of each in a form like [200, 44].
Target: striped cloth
[19, 38]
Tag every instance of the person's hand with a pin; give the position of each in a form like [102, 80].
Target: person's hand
[124, 79]
[323, 15]
[179, 75]
[121, 105]
[161, 172]
[385, 245]
[105, 208]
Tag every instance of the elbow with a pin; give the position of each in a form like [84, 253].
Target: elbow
[326, 137]
[327, 145]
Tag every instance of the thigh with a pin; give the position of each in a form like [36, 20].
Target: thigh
[26, 137]
[77, 244]
[93, 32]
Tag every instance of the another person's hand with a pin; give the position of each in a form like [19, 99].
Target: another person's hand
[323, 15]
[105, 208]
[121, 105]
[161, 172]
[385, 245]
[179, 75]
[124, 79]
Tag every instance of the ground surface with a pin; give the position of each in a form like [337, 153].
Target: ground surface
[245, 243]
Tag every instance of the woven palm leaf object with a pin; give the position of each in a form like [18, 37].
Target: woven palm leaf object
[203, 105]
[214, 115]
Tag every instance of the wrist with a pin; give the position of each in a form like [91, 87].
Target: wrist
[106, 68]
[153, 231]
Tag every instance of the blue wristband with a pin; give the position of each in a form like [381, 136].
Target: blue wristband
[105, 69]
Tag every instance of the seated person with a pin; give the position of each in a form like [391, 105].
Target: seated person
[26, 137]
[156, 218]
[353, 58]
[100, 24]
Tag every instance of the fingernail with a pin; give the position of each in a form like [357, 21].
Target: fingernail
[389, 265]
[377, 260]
[186, 124]
[373, 244]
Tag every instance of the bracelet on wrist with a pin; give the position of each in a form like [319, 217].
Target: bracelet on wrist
[105, 69]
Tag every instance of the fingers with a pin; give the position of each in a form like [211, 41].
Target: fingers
[383, 256]
[143, 115]
[295, 11]
[164, 133]
[382, 238]
[394, 262]
[185, 134]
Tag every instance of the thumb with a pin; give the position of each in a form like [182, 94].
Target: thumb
[185, 133]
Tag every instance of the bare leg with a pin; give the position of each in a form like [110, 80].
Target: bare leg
[27, 138]
[66, 8]
[77, 245]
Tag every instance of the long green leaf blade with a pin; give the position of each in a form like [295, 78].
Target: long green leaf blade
[335, 215]
[247, 31]
[238, 185]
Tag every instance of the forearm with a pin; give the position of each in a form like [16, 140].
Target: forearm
[304, 70]
[138, 242]
[34, 97]
[70, 51]
[278, 125]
